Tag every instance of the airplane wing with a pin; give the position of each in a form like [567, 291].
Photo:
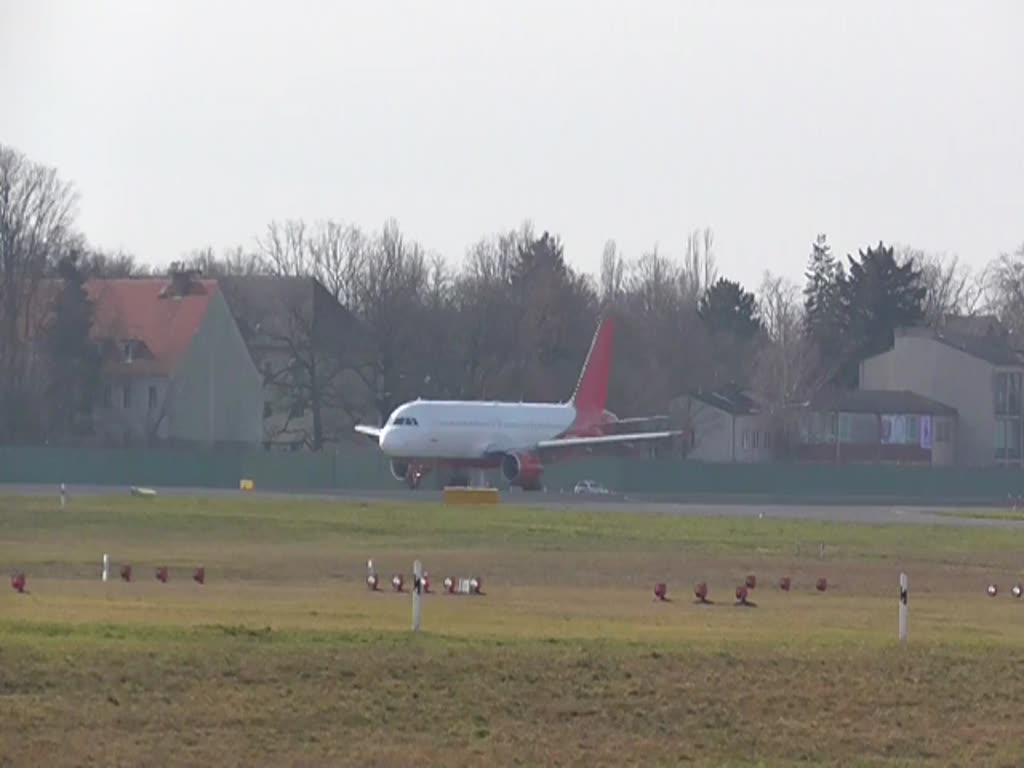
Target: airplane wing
[583, 442]
[371, 431]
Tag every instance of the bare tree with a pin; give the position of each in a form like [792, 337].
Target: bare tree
[698, 272]
[952, 288]
[338, 255]
[36, 219]
[235, 262]
[97, 263]
[388, 299]
[489, 326]
[1005, 290]
[664, 349]
[286, 249]
[613, 273]
[785, 363]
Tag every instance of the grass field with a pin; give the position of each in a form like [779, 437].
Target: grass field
[285, 658]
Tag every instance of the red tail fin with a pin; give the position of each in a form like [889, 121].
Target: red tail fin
[592, 389]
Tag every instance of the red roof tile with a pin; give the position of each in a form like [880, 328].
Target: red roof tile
[137, 309]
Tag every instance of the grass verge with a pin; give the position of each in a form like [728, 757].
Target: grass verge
[284, 658]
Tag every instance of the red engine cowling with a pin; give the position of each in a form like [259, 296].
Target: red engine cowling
[523, 470]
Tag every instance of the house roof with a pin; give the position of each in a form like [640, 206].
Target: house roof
[879, 401]
[991, 345]
[733, 401]
[145, 310]
[280, 311]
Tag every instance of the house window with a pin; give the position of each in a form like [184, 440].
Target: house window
[746, 439]
[127, 351]
[126, 396]
[152, 397]
[767, 440]
[1006, 395]
[1007, 439]
[757, 439]
[942, 431]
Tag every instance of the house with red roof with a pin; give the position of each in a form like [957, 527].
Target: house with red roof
[175, 366]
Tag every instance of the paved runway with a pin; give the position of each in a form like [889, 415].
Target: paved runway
[856, 513]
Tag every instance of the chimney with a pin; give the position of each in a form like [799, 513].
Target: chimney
[184, 281]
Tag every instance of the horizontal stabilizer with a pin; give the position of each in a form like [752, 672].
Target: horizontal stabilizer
[637, 420]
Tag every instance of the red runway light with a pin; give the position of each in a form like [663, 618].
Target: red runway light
[784, 584]
[397, 582]
[751, 581]
[18, 582]
[660, 590]
[701, 592]
[741, 595]
[822, 584]
[161, 574]
[200, 575]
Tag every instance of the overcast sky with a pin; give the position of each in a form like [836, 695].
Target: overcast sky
[189, 123]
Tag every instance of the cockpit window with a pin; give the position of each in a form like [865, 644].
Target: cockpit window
[407, 421]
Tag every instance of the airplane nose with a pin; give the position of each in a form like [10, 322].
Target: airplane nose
[388, 441]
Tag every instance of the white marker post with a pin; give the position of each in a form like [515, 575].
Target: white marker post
[106, 566]
[63, 496]
[903, 607]
[417, 589]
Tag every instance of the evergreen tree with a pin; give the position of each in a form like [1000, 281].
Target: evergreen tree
[823, 310]
[725, 308]
[879, 295]
[74, 360]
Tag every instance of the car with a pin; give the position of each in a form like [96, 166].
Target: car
[589, 486]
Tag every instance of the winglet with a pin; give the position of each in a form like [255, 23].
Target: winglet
[592, 388]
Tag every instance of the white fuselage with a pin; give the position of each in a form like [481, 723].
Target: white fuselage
[436, 429]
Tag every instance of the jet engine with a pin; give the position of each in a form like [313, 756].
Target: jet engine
[523, 470]
[410, 473]
[399, 469]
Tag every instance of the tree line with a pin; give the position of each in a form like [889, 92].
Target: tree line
[511, 320]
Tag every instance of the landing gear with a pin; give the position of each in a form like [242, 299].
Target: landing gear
[414, 476]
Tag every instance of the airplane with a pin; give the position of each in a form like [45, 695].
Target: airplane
[515, 437]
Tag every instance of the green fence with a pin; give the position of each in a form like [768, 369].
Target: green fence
[791, 481]
[356, 469]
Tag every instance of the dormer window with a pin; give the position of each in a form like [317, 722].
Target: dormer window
[128, 351]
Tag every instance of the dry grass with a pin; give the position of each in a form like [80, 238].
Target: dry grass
[284, 658]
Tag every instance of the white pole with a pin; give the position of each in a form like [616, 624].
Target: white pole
[417, 588]
[903, 607]
[106, 566]
[63, 496]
